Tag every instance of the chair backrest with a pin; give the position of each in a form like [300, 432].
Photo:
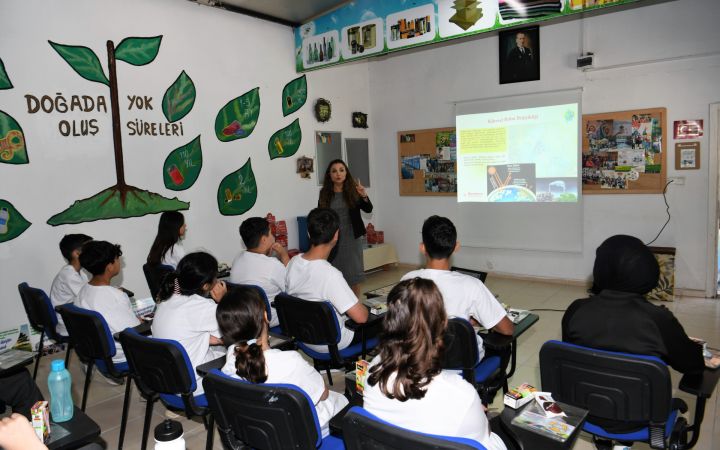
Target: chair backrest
[307, 321]
[267, 416]
[363, 430]
[473, 273]
[611, 385]
[38, 308]
[262, 293]
[461, 347]
[89, 332]
[159, 366]
[154, 275]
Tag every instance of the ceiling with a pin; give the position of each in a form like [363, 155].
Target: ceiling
[287, 12]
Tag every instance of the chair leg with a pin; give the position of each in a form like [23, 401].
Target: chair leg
[39, 354]
[146, 425]
[123, 421]
[329, 375]
[67, 355]
[88, 378]
[210, 425]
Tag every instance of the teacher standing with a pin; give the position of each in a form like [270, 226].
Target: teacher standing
[347, 196]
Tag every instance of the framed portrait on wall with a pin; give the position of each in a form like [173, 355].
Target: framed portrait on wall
[519, 55]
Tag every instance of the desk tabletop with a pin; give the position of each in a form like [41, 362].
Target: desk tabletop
[13, 360]
[535, 440]
[700, 384]
[79, 430]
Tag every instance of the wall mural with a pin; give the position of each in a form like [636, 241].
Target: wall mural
[121, 200]
[179, 98]
[237, 119]
[5, 82]
[12, 141]
[294, 95]
[237, 192]
[182, 166]
[12, 223]
[285, 142]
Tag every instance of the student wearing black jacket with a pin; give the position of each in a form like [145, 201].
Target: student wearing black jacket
[346, 196]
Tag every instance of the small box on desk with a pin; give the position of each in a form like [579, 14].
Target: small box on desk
[519, 396]
[40, 415]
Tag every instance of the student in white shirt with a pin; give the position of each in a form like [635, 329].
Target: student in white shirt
[406, 385]
[242, 319]
[186, 314]
[311, 277]
[464, 296]
[102, 260]
[167, 249]
[256, 265]
[68, 282]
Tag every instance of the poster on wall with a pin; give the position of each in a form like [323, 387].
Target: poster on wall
[364, 28]
[12, 223]
[285, 142]
[12, 141]
[237, 192]
[179, 98]
[294, 95]
[183, 165]
[237, 119]
[120, 200]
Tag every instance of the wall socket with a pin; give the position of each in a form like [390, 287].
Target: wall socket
[677, 181]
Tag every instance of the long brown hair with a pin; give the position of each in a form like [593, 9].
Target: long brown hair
[349, 191]
[240, 319]
[411, 345]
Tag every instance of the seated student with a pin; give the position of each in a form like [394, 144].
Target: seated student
[256, 266]
[311, 277]
[102, 260]
[167, 249]
[464, 296]
[186, 314]
[406, 385]
[242, 319]
[68, 282]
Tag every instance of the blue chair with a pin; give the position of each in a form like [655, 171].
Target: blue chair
[162, 371]
[363, 430]
[461, 353]
[95, 346]
[315, 323]
[616, 387]
[264, 416]
[42, 318]
[154, 275]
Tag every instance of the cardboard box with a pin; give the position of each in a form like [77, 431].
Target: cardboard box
[40, 415]
[519, 396]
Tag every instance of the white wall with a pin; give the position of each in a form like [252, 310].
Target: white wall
[416, 90]
[225, 54]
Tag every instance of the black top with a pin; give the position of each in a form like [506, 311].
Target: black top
[626, 322]
[356, 219]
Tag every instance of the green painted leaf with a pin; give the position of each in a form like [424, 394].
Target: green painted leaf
[12, 141]
[12, 223]
[83, 61]
[237, 192]
[237, 119]
[179, 98]
[138, 51]
[182, 166]
[5, 82]
[285, 142]
[113, 203]
[294, 95]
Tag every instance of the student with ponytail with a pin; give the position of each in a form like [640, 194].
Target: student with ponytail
[242, 319]
[186, 312]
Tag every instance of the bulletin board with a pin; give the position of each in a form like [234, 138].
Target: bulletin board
[625, 152]
[427, 162]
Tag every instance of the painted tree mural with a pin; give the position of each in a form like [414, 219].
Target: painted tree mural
[120, 200]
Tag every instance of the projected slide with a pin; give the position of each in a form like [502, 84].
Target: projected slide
[522, 155]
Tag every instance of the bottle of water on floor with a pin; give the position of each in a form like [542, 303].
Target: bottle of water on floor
[169, 436]
[59, 384]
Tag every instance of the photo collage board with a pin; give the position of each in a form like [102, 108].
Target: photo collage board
[428, 162]
[624, 152]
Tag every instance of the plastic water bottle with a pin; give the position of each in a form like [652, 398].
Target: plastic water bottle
[59, 383]
[169, 436]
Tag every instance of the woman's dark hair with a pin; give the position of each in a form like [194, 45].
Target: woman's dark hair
[350, 193]
[240, 319]
[193, 272]
[623, 263]
[411, 345]
[167, 235]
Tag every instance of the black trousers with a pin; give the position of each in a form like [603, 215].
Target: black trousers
[19, 391]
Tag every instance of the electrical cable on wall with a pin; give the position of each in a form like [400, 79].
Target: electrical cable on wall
[667, 210]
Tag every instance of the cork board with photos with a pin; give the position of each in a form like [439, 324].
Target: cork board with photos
[427, 162]
[624, 152]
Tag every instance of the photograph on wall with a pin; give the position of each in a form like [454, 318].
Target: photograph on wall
[687, 129]
[511, 183]
[519, 55]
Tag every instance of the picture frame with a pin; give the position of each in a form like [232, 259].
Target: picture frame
[687, 155]
[519, 55]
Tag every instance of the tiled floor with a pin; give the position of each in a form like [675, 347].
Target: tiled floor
[700, 317]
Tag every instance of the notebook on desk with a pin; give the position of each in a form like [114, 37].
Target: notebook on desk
[517, 315]
[376, 305]
[12, 357]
